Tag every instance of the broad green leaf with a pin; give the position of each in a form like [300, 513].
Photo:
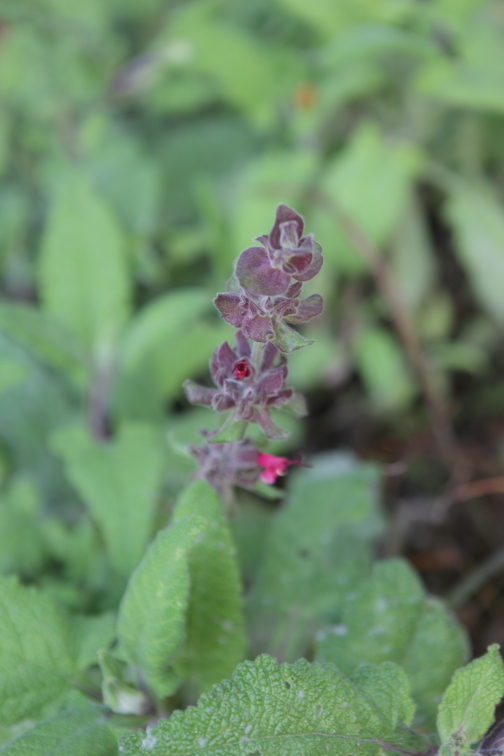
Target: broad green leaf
[119, 481]
[45, 338]
[189, 354]
[159, 322]
[128, 177]
[84, 278]
[477, 219]
[22, 546]
[313, 553]
[388, 687]
[278, 711]
[212, 146]
[438, 647]
[247, 72]
[371, 181]
[36, 653]
[388, 618]
[383, 369]
[330, 19]
[78, 549]
[325, 16]
[467, 708]
[152, 615]
[29, 412]
[78, 732]
[371, 44]
[249, 526]
[472, 81]
[215, 635]
[156, 375]
[377, 621]
[118, 694]
[92, 634]
[412, 257]
[12, 372]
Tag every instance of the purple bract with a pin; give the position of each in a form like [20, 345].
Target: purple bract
[250, 391]
[263, 297]
[227, 465]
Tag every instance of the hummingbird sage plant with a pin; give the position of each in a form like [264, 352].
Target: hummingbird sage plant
[263, 301]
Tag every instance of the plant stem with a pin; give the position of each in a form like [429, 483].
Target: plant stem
[257, 350]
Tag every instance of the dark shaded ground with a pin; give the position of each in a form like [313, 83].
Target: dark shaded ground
[453, 533]
[450, 533]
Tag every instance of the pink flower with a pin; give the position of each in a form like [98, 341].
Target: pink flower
[273, 466]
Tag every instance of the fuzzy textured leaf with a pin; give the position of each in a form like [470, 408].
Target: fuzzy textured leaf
[36, 653]
[388, 618]
[215, 634]
[276, 710]
[287, 339]
[467, 707]
[118, 481]
[78, 732]
[151, 624]
[388, 687]
[312, 555]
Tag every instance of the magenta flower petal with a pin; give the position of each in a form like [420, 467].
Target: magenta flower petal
[273, 467]
[257, 276]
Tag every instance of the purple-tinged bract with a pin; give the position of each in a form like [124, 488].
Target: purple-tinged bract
[263, 297]
[251, 391]
[227, 465]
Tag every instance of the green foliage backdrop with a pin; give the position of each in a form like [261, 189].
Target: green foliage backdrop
[142, 146]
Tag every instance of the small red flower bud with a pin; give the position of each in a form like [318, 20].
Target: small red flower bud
[241, 370]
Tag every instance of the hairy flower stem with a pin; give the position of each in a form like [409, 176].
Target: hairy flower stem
[257, 350]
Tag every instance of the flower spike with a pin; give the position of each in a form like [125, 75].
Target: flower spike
[263, 301]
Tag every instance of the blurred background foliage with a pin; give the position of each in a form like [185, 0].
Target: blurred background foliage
[144, 144]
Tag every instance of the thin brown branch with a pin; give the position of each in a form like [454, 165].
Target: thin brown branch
[369, 252]
[476, 489]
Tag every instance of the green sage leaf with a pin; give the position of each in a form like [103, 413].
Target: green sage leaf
[215, 634]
